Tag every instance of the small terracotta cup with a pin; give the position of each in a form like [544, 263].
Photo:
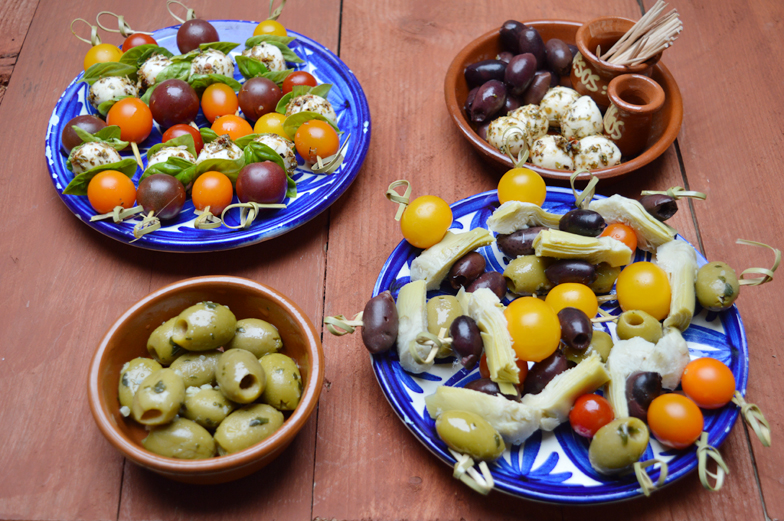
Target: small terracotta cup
[590, 76]
[634, 100]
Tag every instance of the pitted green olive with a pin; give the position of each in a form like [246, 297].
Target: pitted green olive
[197, 369]
[525, 275]
[205, 326]
[182, 439]
[441, 312]
[601, 342]
[207, 407]
[132, 375]
[159, 398]
[257, 336]
[606, 276]
[717, 286]
[469, 433]
[634, 323]
[284, 383]
[247, 426]
[240, 376]
[618, 445]
[161, 346]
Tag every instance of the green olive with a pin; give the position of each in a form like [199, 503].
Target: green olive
[205, 326]
[240, 376]
[247, 426]
[284, 383]
[257, 336]
[634, 323]
[161, 346]
[618, 445]
[525, 275]
[717, 286]
[132, 375]
[197, 369]
[606, 276]
[601, 342]
[182, 439]
[441, 312]
[469, 433]
[159, 398]
[207, 407]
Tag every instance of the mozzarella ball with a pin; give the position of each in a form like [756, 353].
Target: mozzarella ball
[556, 102]
[534, 119]
[151, 68]
[516, 141]
[111, 87]
[165, 153]
[90, 155]
[552, 152]
[221, 148]
[212, 61]
[582, 119]
[312, 103]
[594, 152]
[282, 146]
[267, 54]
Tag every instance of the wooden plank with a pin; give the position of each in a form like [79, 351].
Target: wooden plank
[15, 18]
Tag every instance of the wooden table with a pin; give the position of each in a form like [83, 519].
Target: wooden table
[65, 284]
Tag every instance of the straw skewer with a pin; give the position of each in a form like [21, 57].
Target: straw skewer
[648, 37]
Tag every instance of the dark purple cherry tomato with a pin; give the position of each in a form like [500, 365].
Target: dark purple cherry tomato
[259, 96]
[162, 194]
[195, 32]
[70, 139]
[174, 102]
[263, 183]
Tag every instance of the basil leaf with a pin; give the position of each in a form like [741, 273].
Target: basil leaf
[199, 82]
[253, 41]
[146, 96]
[78, 185]
[277, 76]
[187, 57]
[106, 106]
[300, 90]
[256, 152]
[224, 47]
[230, 167]
[102, 70]
[280, 108]
[141, 53]
[250, 67]
[107, 133]
[245, 140]
[293, 122]
[179, 71]
[208, 135]
[185, 139]
[321, 90]
[173, 166]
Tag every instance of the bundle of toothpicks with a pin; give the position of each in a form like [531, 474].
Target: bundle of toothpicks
[647, 38]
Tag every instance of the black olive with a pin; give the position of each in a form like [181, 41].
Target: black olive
[641, 389]
[582, 222]
[660, 206]
[541, 373]
[571, 270]
[487, 386]
[576, 328]
[466, 270]
[466, 340]
[379, 331]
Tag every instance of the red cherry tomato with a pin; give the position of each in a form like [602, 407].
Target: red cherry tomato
[708, 382]
[316, 138]
[110, 188]
[623, 233]
[234, 126]
[137, 39]
[298, 78]
[212, 189]
[675, 420]
[182, 129]
[218, 100]
[133, 117]
[590, 413]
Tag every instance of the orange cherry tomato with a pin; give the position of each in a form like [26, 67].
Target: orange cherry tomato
[102, 53]
[708, 382]
[316, 138]
[675, 420]
[133, 117]
[270, 27]
[234, 126]
[137, 39]
[218, 100]
[644, 286]
[212, 189]
[573, 295]
[623, 233]
[425, 221]
[110, 188]
[534, 327]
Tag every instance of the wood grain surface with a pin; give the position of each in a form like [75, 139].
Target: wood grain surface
[15, 18]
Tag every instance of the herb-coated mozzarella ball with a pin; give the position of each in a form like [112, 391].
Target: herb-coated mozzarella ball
[212, 61]
[165, 153]
[595, 152]
[282, 146]
[312, 103]
[552, 152]
[151, 68]
[500, 134]
[90, 155]
[582, 119]
[535, 121]
[221, 148]
[556, 102]
[111, 87]
[267, 54]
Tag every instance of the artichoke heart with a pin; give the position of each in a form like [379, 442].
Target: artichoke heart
[679, 261]
[651, 233]
[412, 320]
[433, 264]
[564, 245]
[515, 215]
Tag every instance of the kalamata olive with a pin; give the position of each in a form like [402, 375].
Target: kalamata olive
[660, 206]
[259, 96]
[481, 72]
[466, 340]
[470, 100]
[572, 49]
[263, 183]
[174, 102]
[555, 79]
[510, 35]
[559, 58]
[466, 270]
[512, 103]
[492, 280]
[582, 222]
[541, 373]
[162, 194]
[504, 56]
[482, 130]
[576, 328]
[518, 243]
[571, 270]
[379, 331]
[490, 98]
[531, 42]
[520, 73]
[70, 139]
[487, 386]
[641, 389]
[538, 88]
[195, 32]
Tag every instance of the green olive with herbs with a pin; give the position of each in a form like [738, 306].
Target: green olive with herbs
[181, 439]
[197, 369]
[618, 445]
[240, 376]
[257, 336]
[284, 382]
[601, 342]
[635, 322]
[132, 375]
[161, 346]
[717, 286]
[246, 427]
[441, 312]
[159, 398]
[606, 276]
[207, 407]
[469, 433]
[204, 326]
[525, 275]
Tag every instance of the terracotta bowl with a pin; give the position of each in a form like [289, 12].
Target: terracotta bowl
[127, 339]
[665, 125]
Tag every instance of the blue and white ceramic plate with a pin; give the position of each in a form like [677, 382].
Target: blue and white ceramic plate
[550, 466]
[315, 193]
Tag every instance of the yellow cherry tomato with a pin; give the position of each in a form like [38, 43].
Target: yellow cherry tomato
[425, 221]
[644, 286]
[102, 53]
[534, 328]
[522, 184]
[271, 123]
[270, 27]
[675, 420]
[573, 295]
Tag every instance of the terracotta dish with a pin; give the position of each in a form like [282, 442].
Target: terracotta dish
[664, 127]
[127, 339]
